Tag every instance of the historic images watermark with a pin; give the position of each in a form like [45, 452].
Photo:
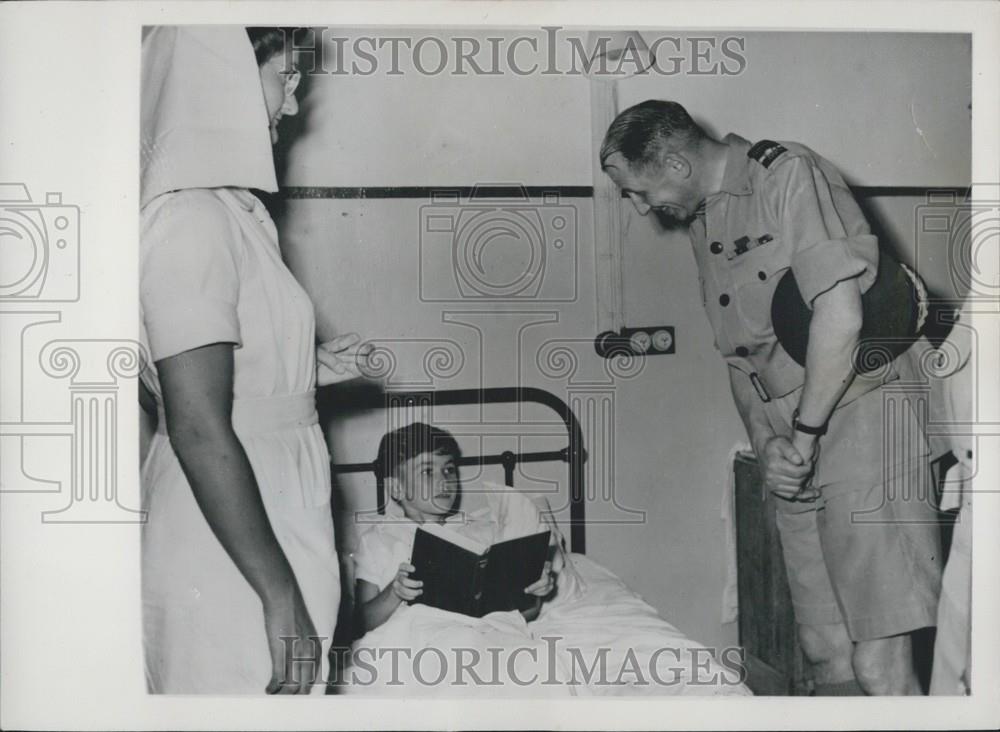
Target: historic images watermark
[506, 247]
[499, 266]
[962, 229]
[935, 401]
[550, 51]
[549, 662]
[41, 245]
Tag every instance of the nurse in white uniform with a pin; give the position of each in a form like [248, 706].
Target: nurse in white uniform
[239, 566]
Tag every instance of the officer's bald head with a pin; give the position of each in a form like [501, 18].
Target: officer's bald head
[643, 134]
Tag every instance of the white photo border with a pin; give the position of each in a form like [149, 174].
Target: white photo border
[70, 103]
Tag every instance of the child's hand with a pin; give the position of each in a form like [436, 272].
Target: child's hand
[403, 587]
[544, 585]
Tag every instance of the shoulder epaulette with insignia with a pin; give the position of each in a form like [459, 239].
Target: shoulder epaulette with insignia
[766, 152]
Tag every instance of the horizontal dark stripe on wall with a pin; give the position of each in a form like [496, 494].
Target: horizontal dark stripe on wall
[428, 192]
[873, 191]
[515, 192]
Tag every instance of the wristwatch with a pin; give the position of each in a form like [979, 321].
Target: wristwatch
[807, 429]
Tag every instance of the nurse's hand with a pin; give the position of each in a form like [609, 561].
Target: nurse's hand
[340, 359]
[295, 648]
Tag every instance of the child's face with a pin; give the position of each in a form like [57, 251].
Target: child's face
[426, 486]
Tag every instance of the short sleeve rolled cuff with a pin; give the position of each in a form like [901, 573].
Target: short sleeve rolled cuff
[189, 281]
[374, 560]
[363, 569]
[831, 240]
[823, 264]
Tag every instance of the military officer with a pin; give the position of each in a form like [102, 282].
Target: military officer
[860, 544]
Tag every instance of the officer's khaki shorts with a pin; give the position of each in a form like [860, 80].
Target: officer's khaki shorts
[866, 553]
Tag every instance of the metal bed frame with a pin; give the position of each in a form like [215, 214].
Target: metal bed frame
[574, 454]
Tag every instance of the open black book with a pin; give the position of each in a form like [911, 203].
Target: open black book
[464, 576]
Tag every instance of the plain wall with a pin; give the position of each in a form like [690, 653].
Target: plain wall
[890, 109]
[444, 129]
[659, 434]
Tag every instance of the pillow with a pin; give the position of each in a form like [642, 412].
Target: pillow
[520, 515]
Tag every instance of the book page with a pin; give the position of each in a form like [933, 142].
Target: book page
[448, 534]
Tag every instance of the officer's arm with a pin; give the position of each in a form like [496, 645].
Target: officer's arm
[835, 260]
[833, 336]
[781, 465]
[749, 406]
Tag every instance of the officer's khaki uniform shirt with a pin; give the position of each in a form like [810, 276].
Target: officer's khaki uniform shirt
[781, 206]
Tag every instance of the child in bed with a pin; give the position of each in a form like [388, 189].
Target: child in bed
[585, 622]
[420, 469]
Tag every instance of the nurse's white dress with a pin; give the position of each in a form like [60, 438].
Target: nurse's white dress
[211, 272]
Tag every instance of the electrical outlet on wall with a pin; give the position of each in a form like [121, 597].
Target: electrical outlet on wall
[651, 340]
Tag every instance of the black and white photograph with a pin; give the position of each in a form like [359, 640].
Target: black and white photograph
[444, 355]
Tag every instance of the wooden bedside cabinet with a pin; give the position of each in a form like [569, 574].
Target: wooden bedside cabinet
[774, 662]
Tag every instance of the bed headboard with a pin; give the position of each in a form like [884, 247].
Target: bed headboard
[574, 454]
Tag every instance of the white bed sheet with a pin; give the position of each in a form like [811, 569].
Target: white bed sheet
[603, 640]
[645, 653]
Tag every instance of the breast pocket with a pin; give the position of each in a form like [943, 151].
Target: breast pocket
[755, 276]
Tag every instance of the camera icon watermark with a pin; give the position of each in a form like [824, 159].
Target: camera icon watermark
[961, 230]
[40, 245]
[498, 244]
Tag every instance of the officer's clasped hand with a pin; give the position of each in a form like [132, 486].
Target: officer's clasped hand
[786, 471]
